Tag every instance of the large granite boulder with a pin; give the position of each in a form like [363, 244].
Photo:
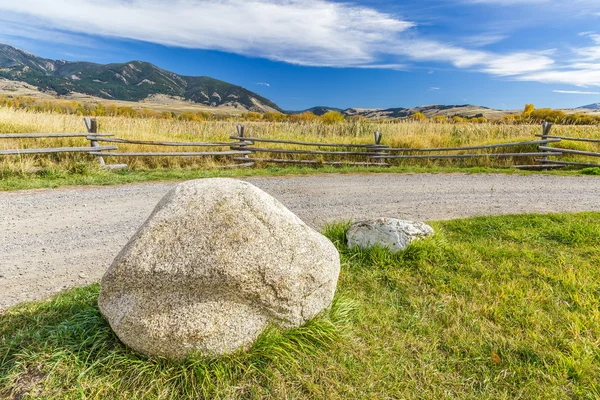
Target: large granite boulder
[392, 233]
[216, 263]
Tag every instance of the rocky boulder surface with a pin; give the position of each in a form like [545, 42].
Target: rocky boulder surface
[216, 263]
[392, 233]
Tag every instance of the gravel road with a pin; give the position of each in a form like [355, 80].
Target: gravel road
[55, 239]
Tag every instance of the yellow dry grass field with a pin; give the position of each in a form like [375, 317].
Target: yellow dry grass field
[395, 134]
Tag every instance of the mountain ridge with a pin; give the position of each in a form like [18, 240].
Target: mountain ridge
[594, 106]
[139, 82]
[465, 110]
[129, 81]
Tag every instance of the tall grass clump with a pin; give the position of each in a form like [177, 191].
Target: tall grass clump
[65, 349]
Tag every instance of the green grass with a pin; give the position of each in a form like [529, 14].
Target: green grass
[491, 307]
[85, 174]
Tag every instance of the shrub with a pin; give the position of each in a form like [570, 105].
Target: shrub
[332, 117]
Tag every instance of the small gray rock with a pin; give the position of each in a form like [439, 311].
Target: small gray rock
[392, 233]
[216, 263]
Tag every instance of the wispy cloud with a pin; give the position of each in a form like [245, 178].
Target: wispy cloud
[582, 70]
[433, 89]
[590, 53]
[483, 39]
[510, 2]
[305, 32]
[14, 28]
[263, 84]
[396, 67]
[591, 3]
[575, 92]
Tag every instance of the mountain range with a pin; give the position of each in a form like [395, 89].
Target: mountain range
[138, 82]
[466, 110]
[130, 81]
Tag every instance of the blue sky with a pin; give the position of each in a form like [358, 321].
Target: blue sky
[363, 53]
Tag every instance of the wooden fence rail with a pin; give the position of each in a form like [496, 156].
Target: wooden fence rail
[566, 163]
[574, 139]
[482, 147]
[311, 144]
[569, 151]
[171, 154]
[153, 143]
[52, 150]
[48, 135]
[56, 150]
[314, 162]
[460, 156]
[306, 152]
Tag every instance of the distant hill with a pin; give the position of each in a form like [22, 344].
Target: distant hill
[131, 81]
[318, 111]
[430, 111]
[595, 106]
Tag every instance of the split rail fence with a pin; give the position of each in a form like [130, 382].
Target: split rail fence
[246, 151]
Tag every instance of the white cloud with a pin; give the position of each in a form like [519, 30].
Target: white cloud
[575, 92]
[263, 84]
[492, 63]
[433, 89]
[307, 32]
[304, 32]
[518, 63]
[577, 77]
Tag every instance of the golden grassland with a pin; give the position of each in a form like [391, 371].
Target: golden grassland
[406, 134]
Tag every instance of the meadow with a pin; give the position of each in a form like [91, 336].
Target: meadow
[38, 171]
[489, 308]
[410, 134]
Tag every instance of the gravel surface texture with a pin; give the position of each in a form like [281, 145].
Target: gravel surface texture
[54, 239]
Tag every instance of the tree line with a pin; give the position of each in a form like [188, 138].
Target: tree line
[530, 115]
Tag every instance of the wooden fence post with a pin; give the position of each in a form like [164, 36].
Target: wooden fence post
[92, 127]
[546, 126]
[242, 145]
[377, 143]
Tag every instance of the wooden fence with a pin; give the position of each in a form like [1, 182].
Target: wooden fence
[246, 151]
[552, 163]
